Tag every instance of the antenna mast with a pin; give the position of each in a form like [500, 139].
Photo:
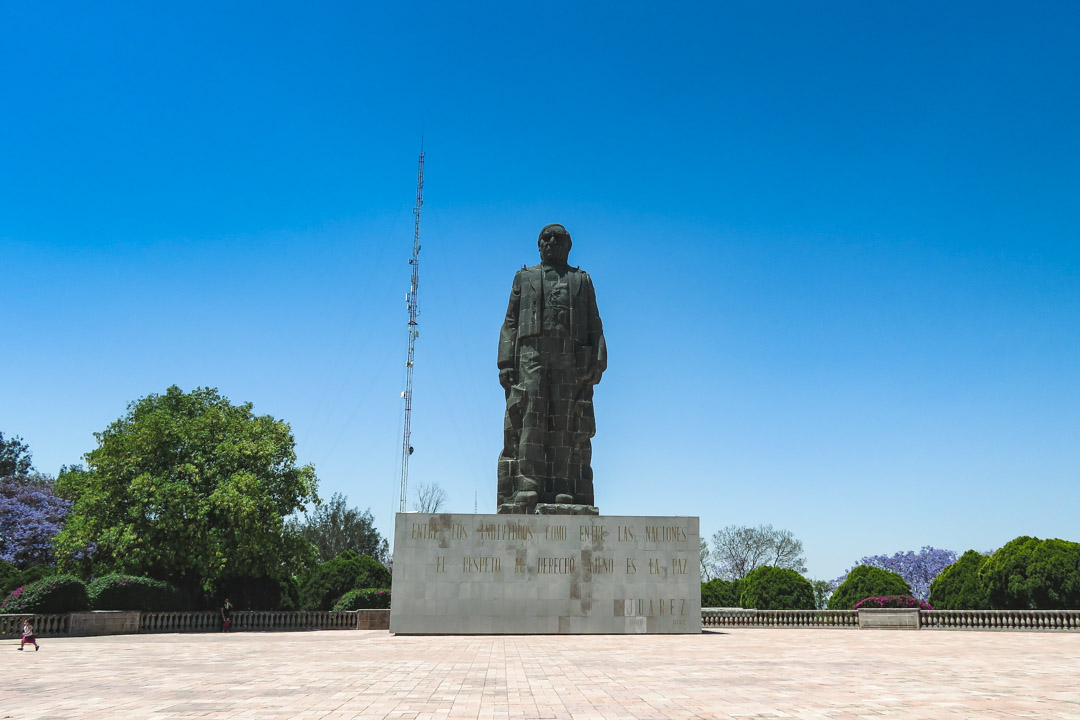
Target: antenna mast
[411, 300]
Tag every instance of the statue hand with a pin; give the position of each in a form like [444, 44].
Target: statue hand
[507, 377]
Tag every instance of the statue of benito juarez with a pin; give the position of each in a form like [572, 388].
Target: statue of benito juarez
[551, 353]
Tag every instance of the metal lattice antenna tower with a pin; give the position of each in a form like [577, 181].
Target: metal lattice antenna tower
[414, 332]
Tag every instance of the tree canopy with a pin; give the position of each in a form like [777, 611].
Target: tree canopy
[15, 457]
[190, 489]
[738, 551]
[333, 527]
[865, 581]
[31, 514]
[917, 568]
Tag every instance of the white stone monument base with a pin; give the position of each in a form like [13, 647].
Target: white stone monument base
[545, 574]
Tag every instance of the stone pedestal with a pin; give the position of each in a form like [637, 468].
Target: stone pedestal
[104, 622]
[535, 574]
[889, 618]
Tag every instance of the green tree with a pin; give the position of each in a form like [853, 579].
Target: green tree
[1032, 574]
[15, 457]
[333, 527]
[867, 581]
[720, 593]
[348, 571]
[773, 588]
[959, 586]
[822, 591]
[190, 489]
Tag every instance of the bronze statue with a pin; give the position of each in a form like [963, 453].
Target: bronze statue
[551, 353]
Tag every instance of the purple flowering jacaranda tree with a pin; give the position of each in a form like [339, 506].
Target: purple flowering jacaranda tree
[918, 568]
[30, 515]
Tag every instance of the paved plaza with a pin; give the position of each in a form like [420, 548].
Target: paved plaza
[738, 673]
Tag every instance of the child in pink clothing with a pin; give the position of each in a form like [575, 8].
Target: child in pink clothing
[28, 636]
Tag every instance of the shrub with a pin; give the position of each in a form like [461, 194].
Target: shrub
[333, 578]
[1028, 573]
[960, 586]
[127, 592]
[13, 578]
[57, 594]
[867, 581]
[774, 588]
[719, 593]
[893, 601]
[364, 599]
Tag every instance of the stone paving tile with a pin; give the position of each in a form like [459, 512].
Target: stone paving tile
[741, 674]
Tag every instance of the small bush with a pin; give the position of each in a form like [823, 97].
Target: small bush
[127, 592]
[960, 585]
[333, 578]
[364, 599]
[894, 601]
[773, 588]
[57, 594]
[867, 581]
[718, 593]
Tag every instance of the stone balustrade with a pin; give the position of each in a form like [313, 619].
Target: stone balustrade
[1000, 619]
[271, 621]
[1065, 620]
[52, 624]
[90, 623]
[739, 617]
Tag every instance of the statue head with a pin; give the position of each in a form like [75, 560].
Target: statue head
[554, 244]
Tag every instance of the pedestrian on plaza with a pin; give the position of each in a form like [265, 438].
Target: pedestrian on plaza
[28, 635]
[226, 615]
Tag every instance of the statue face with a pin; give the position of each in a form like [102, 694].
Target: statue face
[554, 249]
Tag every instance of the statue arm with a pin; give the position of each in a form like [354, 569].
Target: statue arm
[595, 335]
[507, 361]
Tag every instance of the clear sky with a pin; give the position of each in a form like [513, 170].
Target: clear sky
[836, 245]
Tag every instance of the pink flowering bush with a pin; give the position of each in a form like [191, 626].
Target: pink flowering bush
[893, 601]
[56, 594]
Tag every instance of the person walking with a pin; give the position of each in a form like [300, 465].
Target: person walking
[28, 635]
[226, 615]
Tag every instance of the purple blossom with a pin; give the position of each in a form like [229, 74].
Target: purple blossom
[30, 515]
[919, 569]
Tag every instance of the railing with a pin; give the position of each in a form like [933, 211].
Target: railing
[739, 617]
[210, 620]
[1000, 619]
[53, 624]
[175, 621]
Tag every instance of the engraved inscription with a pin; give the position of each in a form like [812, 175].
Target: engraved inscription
[602, 566]
[520, 566]
[424, 531]
[626, 533]
[665, 607]
[481, 564]
[665, 533]
[654, 566]
[595, 533]
[555, 565]
[504, 531]
[631, 566]
[678, 566]
[555, 532]
[440, 564]
[459, 532]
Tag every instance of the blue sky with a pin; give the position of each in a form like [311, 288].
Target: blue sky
[836, 246]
